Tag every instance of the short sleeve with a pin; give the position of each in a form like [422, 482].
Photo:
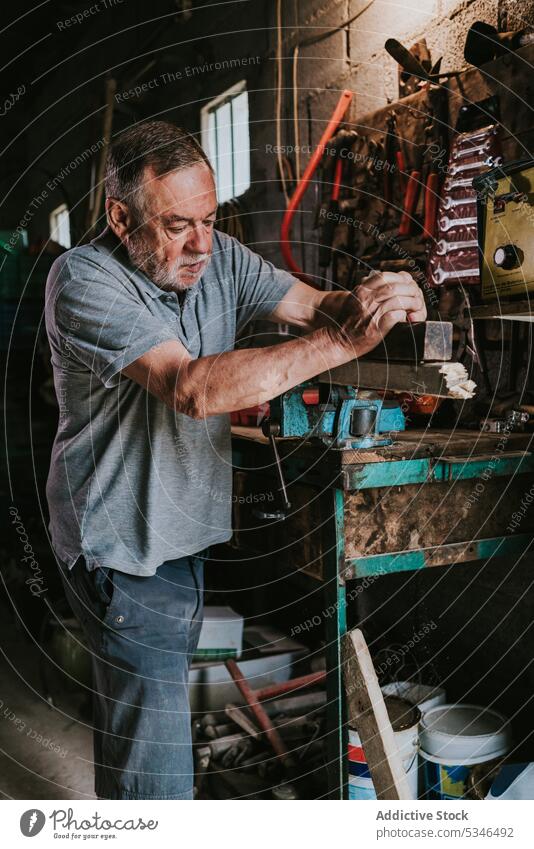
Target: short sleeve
[101, 319]
[260, 286]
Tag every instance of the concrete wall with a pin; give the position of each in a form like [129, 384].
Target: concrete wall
[68, 119]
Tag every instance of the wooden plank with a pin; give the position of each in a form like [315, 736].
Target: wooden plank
[431, 470]
[442, 555]
[414, 517]
[412, 343]
[237, 715]
[368, 714]
[417, 444]
[253, 448]
[419, 379]
[503, 309]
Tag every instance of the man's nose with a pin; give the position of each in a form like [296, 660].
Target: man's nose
[198, 240]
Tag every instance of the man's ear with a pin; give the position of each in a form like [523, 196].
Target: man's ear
[118, 217]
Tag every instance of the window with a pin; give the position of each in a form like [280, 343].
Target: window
[226, 140]
[60, 225]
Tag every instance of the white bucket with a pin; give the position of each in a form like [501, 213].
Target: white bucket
[422, 696]
[360, 781]
[453, 738]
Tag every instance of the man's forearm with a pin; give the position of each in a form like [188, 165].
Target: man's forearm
[328, 311]
[222, 383]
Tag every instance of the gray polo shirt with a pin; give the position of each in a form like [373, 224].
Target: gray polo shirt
[133, 483]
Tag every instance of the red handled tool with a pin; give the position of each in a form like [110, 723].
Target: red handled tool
[285, 232]
[401, 166]
[431, 205]
[410, 201]
[331, 217]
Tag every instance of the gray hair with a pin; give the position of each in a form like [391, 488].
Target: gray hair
[155, 144]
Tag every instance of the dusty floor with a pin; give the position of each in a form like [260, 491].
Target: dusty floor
[45, 750]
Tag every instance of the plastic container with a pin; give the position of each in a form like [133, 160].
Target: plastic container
[452, 739]
[221, 635]
[514, 781]
[404, 718]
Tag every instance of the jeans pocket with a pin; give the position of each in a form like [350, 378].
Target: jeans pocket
[103, 584]
[89, 592]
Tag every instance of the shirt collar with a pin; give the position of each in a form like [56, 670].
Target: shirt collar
[107, 242]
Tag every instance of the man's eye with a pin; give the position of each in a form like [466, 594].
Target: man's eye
[176, 229]
[209, 223]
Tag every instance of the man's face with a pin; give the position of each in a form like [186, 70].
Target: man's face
[173, 245]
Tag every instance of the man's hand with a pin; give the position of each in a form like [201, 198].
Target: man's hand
[375, 306]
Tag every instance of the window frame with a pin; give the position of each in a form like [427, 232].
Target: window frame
[212, 106]
[54, 227]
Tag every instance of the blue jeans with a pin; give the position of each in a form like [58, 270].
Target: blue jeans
[142, 633]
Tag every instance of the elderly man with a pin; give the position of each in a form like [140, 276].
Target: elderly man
[142, 324]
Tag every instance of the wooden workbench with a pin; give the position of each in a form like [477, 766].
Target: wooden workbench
[432, 498]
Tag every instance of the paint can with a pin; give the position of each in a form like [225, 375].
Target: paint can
[423, 696]
[455, 737]
[404, 719]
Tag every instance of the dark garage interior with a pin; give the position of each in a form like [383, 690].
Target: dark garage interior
[377, 575]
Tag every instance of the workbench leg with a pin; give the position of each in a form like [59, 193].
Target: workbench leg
[335, 627]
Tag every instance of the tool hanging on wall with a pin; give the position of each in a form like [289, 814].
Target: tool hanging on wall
[408, 83]
[454, 256]
[411, 65]
[285, 233]
[436, 141]
[330, 216]
[233, 218]
[391, 180]
[412, 186]
[484, 43]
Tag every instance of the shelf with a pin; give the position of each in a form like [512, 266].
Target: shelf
[509, 310]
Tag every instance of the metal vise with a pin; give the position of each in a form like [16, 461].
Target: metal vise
[336, 415]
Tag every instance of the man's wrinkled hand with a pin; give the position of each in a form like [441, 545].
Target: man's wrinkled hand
[382, 300]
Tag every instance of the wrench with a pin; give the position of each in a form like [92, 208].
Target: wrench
[477, 135]
[461, 183]
[444, 247]
[471, 151]
[490, 161]
[450, 203]
[448, 223]
[440, 276]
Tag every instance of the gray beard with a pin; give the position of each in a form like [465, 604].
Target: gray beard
[164, 276]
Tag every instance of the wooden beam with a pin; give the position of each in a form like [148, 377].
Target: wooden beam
[519, 310]
[430, 341]
[237, 715]
[423, 379]
[368, 714]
